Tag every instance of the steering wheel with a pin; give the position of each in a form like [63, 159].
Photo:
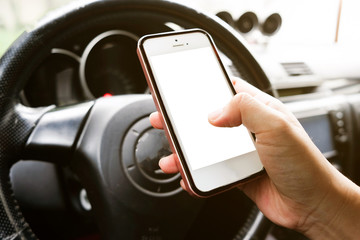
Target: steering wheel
[108, 142]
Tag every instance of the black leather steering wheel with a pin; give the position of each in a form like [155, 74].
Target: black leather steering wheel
[98, 138]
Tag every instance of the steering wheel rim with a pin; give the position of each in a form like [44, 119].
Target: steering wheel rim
[21, 59]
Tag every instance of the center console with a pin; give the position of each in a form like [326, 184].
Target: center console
[333, 124]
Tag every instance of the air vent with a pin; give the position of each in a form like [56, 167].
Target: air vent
[296, 69]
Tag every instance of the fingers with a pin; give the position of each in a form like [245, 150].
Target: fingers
[155, 120]
[229, 120]
[168, 164]
[182, 184]
[243, 86]
[246, 109]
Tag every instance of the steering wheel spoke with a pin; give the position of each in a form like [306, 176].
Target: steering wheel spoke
[55, 133]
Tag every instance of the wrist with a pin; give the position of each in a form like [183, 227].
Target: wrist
[338, 215]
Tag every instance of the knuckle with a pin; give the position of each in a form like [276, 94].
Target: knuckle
[240, 100]
[233, 116]
[277, 101]
[280, 123]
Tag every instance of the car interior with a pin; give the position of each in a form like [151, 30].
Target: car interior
[78, 156]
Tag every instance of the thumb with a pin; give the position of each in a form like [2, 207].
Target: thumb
[247, 110]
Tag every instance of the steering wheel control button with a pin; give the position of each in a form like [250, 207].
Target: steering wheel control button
[84, 200]
[141, 150]
[147, 156]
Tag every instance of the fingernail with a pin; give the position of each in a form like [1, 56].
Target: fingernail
[160, 162]
[182, 184]
[214, 115]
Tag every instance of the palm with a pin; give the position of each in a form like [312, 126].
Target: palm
[276, 207]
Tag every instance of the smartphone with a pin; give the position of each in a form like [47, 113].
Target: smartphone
[188, 81]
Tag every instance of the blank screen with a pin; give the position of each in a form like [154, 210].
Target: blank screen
[319, 129]
[192, 84]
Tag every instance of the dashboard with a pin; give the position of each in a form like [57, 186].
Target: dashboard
[86, 68]
[332, 124]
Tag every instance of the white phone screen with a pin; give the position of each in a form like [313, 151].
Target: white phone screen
[192, 84]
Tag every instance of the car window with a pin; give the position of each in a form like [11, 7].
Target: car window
[18, 15]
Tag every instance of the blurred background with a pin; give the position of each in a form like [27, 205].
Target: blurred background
[319, 33]
[303, 21]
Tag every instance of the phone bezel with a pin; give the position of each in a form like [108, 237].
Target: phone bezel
[170, 133]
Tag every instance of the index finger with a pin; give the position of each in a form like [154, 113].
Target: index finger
[243, 86]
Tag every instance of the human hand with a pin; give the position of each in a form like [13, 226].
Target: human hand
[301, 187]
